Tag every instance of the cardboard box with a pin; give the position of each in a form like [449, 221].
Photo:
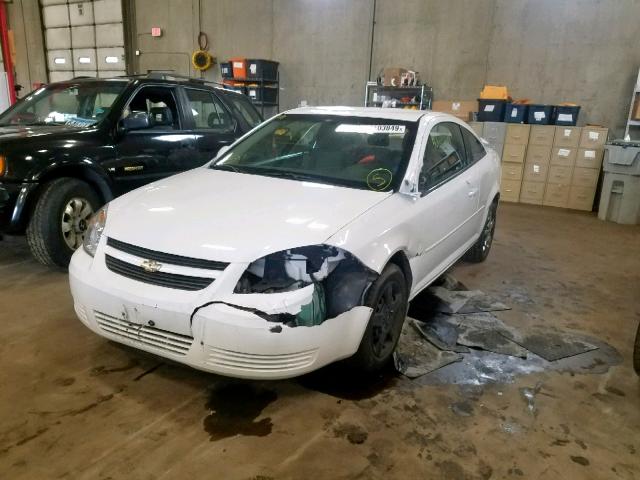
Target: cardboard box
[510, 190]
[566, 136]
[542, 135]
[532, 192]
[581, 198]
[556, 195]
[391, 76]
[517, 134]
[593, 137]
[590, 158]
[635, 114]
[514, 153]
[565, 157]
[536, 172]
[511, 171]
[458, 108]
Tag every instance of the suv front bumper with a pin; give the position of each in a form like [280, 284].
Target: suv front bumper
[13, 199]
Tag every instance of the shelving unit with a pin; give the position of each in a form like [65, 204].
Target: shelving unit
[631, 121]
[388, 96]
[261, 85]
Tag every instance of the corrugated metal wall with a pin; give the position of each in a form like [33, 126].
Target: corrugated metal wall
[83, 38]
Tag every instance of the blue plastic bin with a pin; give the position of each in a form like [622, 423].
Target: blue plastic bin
[516, 113]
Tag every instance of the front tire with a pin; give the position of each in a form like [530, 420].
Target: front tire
[59, 220]
[480, 250]
[388, 297]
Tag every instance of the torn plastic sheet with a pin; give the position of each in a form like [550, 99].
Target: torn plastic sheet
[466, 301]
[414, 357]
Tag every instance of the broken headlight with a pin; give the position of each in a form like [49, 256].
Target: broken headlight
[94, 231]
[289, 269]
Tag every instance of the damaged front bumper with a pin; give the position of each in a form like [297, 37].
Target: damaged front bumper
[231, 334]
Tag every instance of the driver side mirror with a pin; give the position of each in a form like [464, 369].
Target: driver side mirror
[135, 121]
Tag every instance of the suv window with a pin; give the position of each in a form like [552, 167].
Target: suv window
[444, 156]
[208, 112]
[246, 109]
[474, 148]
[159, 103]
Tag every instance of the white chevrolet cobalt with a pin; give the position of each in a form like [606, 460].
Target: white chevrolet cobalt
[298, 246]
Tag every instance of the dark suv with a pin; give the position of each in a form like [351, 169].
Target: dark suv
[70, 147]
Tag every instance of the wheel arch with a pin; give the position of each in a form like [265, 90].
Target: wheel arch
[399, 258]
[87, 173]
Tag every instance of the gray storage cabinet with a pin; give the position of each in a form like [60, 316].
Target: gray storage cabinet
[620, 198]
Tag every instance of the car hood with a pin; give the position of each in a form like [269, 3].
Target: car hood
[233, 217]
[20, 132]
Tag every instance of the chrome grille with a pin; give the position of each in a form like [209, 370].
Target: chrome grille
[163, 279]
[218, 357]
[150, 336]
[166, 257]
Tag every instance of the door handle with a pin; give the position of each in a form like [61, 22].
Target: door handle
[473, 192]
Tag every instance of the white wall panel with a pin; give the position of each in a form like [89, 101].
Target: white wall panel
[83, 37]
[84, 59]
[109, 35]
[58, 38]
[59, 60]
[81, 13]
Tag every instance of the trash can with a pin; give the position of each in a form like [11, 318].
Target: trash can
[620, 197]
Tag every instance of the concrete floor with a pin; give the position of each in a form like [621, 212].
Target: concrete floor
[73, 405]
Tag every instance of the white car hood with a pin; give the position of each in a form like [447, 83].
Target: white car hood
[233, 217]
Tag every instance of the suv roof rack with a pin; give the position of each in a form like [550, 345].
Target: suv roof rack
[170, 75]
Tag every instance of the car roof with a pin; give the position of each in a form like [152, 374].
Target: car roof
[370, 112]
[145, 79]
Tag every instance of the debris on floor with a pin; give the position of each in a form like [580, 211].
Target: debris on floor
[456, 325]
[465, 301]
[414, 357]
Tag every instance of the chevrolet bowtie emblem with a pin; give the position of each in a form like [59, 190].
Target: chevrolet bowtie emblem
[151, 266]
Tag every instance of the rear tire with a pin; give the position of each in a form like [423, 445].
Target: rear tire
[59, 220]
[388, 297]
[480, 250]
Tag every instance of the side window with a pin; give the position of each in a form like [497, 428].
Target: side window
[474, 148]
[444, 155]
[159, 103]
[246, 109]
[207, 111]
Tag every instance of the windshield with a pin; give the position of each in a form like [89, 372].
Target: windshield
[366, 153]
[81, 104]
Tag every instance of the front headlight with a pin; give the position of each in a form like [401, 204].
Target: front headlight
[94, 231]
[339, 280]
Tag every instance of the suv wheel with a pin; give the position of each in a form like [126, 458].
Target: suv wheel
[60, 219]
[480, 250]
[388, 297]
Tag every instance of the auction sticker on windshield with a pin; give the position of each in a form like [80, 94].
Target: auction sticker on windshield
[370, 129]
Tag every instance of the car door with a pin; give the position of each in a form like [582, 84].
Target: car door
[483, 172]
[447, 205]
[162, 149]
[211, 124]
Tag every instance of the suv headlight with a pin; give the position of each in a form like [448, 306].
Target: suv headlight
[94, 231]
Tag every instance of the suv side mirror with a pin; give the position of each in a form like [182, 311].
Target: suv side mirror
[135, 121]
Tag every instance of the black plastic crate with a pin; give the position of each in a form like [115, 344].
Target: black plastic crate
[491, 110]
[516, 113]
[264, 94]
[262, 69]
[237, 88]
[226, 70]
[566, 115]
[540, 114]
